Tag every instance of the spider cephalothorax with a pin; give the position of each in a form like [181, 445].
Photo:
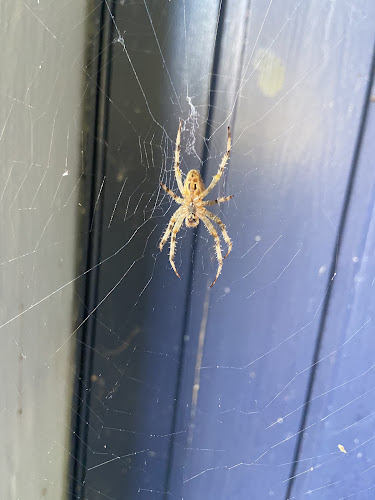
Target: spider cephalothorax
[193, 208]
[192, 219]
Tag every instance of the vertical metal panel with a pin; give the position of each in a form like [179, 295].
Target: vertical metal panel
[289, 170]
[138, 327]
[341, 405]
[189, 383]
[40, 166]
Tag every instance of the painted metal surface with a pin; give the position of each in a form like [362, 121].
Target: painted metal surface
[37, 252]
[341, 411]
[291, 165]
[202, 394]
[139, 327]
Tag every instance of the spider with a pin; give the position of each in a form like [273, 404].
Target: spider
[193, 208]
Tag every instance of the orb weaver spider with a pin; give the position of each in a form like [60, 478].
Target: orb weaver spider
[193, 206]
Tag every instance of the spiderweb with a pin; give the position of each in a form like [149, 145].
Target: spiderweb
[121, 381]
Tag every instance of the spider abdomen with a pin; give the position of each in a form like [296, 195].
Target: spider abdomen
[194, 184]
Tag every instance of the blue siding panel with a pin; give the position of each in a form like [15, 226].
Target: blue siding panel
[207, 400]
[289, 170]
[342, 410]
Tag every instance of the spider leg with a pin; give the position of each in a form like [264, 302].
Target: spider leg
[176, 198]
[213, 232]
[220, 223]
[210, 203]
[177, 171]
[216, 177]
[172, 250]
[168, 229]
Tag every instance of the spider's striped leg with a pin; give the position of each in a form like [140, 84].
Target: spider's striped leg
[213, 232]
[177, 171]
[210, 203]
[172, 250]
[216, 177]
[176, 198]
[168, 230]
[221, 224]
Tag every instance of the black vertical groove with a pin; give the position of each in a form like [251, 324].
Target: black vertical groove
[213, 87]
[86, 334]
[185, 323]
[333, 269]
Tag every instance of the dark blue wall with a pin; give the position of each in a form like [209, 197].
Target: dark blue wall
[244, 390]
